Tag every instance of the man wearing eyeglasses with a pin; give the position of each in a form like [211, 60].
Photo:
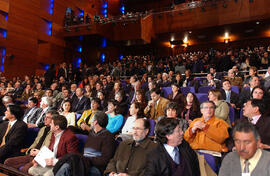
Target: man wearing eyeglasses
[207, 132]
[130, 156]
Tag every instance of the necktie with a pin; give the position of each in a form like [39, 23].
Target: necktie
[246, 168]
[4, 137]
[228, 97]
[52, 142]
[176, 158]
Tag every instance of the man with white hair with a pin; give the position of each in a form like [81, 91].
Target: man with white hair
[45, 104]
[165, 82]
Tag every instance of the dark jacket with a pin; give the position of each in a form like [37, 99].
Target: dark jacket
[158, 163]
[79, 106]
[14, 139]
[234, 98]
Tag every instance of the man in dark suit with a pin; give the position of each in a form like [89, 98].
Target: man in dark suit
[62, 71]
[210, 81]
[173, 154]
[63, 141]
[228, 95]
[12, 133]
[80, 103]
[32, 112]
[254, 110]
[216, 75]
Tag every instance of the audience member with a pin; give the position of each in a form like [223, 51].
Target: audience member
[248, 159]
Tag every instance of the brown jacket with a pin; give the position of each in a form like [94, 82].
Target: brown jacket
[159, 112]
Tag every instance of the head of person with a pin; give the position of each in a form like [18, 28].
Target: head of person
[112, 106]
[207, 109]
[254, 81]
[95, 104]
[13, 112]
[172, 110]
[155, 94]
[226, 85]
[253, 108]
[119, 96]
[246, 139]
[175, 88]
[49, 93]
[100, 120]
[209, 76]
[164, 76]
[231, 73]
[45, 102]
[151, 85]
[101, 95]
[32, 102]
[252, 71]
[99, 85]
[178, 76]
[65, 93]
[169, 132]
[235, 69]
[191, 98]
[6, 100]
[79, 92]
[214, 95]
[141, 128]
[48, 117]
[66, 106]
[73, 87]
[257, 93]
[212, 69]
[117, 86]
[139, 96]
[58, 123]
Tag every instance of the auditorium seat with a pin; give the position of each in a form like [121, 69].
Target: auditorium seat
[82, 139]
[202, 97]
[235, 89]
[166, 91]
[186, 90]
[204, 89]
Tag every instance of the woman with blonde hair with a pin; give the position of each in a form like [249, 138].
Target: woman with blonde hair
[222, 108]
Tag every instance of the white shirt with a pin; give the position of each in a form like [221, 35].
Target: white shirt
[55, 146]
[12, 123]
[128, 125]
[170, 150]
[255, 119]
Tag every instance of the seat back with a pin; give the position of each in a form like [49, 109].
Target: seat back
[82, 139]
[204, 89]
[31, 136]
[232, 115]
[166, 91]
[210, 159]
[202, 97]
[186, 90]
[152, 127]
[235, 89]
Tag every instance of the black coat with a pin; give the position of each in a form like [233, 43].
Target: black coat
[158, 161]
[234, 99]
[79, 106]
[14, 140]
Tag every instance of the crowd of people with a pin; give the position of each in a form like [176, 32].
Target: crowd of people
[116, 114]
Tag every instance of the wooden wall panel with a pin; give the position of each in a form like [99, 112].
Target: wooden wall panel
[4, 5]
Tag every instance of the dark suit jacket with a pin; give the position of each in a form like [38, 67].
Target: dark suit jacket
[32, 118]
[68, 143]
[244, 96]
[262, 126]
[158, 161]
[14, 140]
[79, 106]
[233, 99]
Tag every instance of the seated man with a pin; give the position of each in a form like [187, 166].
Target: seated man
[157, 105]
[254, 110]
[172, 156]
[12, 133]
[228, 95]
[63, 141]
[80, 103]
[235, 81]
[248, 159]
[31, 114]
[43, 139]
[98, 149]
[130, 156]
[208, 132]
[211, 81]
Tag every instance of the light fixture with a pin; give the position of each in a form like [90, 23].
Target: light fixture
[172, 46]
[257, 22]
[226, 40]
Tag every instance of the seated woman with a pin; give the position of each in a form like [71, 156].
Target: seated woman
[65, 111]
[177, 96]
[115, 119]
[122, 103]
[136, 112]
[192, 108]
[102, 98]
[222, 108]
[140, 99]
[83, 124]
[173, 111]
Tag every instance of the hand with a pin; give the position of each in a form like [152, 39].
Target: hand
[34, 163]
[112, 174]
[264, 146]
[150, 103]
[49, 161]
[122, 174]
[233, 105]
[198, 125]
[34, 152]
[31, 125]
